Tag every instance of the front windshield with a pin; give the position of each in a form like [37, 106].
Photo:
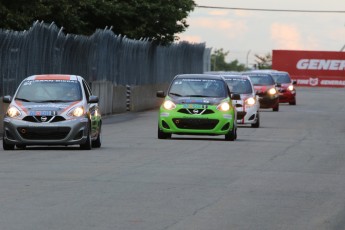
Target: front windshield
[239, 85]
[262, 79]
[194, 87]
[281, 78]
[49, 91]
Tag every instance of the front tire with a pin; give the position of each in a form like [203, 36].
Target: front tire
[257, 123]
[6, 146]
[232, 134]
[163, 135]
[276, 108]
[88, 143]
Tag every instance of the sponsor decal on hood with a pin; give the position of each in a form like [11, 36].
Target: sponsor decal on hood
[44, 109]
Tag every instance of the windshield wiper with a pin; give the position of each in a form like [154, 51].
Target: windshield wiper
[196, 95]
[22, 99]
[53, 101]
[175, 94]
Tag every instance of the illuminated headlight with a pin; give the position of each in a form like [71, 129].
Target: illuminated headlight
[223, 107]
[13, 112]
[169, 105]
[250, 101]
[272, 91]
[290, 87]
[77, 112]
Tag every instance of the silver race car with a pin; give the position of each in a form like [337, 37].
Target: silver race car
[52, 110]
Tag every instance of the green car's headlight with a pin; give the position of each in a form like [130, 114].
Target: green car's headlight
[250, 101]
[224, 106]
[169, 105]
[272, 91]
[13, 112]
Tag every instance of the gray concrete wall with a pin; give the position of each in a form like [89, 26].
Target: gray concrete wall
[144, 97]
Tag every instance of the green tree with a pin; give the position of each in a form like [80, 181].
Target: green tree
[264, 62]
[218, 62]
[156, 20]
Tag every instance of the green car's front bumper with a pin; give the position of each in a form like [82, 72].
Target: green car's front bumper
[192, 119]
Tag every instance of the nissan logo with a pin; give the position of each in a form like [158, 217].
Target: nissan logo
[195, 111]
[43, 118]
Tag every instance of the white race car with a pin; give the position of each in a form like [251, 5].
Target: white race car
[248, 107]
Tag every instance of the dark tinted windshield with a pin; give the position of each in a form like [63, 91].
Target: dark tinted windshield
[239, 85]
[262, 79]
[49, 90]
[281, 77]
[193, 87]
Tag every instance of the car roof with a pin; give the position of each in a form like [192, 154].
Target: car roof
[54, 77]
[197, 76]
[232, 76]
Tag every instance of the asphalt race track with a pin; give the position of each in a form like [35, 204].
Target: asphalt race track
[287, 174]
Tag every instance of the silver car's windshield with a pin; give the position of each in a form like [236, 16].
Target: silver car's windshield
[49, 91]
[281, 78]
[262, 79]
[192, 87]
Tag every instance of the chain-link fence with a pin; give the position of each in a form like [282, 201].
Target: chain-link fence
[103, 56]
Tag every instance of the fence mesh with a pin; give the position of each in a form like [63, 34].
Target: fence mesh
[103, 56]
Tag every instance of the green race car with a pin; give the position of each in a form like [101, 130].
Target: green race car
[197, 104]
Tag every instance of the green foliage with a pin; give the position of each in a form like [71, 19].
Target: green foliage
[156, 20]
[218, 62]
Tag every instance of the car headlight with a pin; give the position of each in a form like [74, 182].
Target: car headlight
[77, 111]
[13, 112]
[250, 101]
[225, 106]
[290, 87]
[169, 105]
[272, 91]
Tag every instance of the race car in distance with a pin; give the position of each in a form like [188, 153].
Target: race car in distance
[52, 110]
[265, 88]
[286, 89]
[197, 104]
[248, 105]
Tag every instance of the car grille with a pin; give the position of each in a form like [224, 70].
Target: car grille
[44, 118]
[43, 133]
[196, 111]
[191, 123]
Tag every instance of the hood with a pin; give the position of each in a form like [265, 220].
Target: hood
[284, 85]
[44, 109]
[198, 100]
[262, 88]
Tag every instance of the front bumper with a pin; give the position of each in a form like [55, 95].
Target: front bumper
[286, 96]
[246, 114]
[68, 132]
[217, 123]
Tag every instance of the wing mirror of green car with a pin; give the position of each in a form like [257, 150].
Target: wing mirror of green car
[235, 96]
[7, 99]
[160, 94]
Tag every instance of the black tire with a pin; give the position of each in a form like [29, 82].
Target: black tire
[98, 142]
[257, 123]
[6, 146]
[231, 135]
[292, 102]
[276, 108]
[163, 135]
[88, 143]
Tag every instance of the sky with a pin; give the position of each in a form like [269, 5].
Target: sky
[245, 33]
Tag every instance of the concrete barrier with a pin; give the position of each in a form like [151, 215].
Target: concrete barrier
[144, 97]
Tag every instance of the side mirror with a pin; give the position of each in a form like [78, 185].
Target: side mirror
[7, 99]
[278, 85]
[294, 82]
[235, 96]
[93, 99]
[160, 94]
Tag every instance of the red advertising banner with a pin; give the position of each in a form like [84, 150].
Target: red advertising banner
[312, 68]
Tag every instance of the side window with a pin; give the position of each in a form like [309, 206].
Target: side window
[87, 90]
